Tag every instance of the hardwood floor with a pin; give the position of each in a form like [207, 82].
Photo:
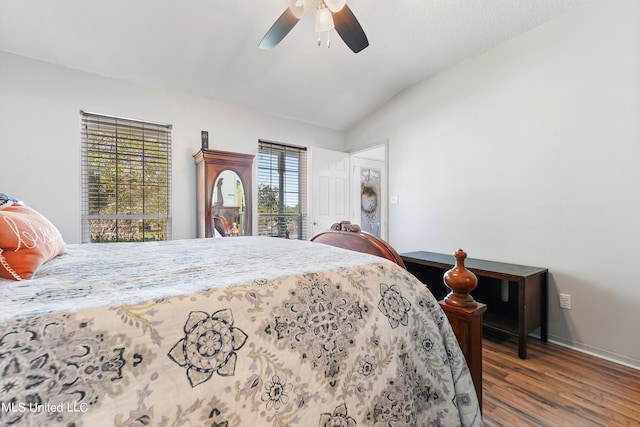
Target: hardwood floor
[555, 386]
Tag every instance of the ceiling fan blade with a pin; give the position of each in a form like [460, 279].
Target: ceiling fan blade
[279, 30]
[349, 29]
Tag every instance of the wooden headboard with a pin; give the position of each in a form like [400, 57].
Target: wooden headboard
[350, 236]
[220, 224]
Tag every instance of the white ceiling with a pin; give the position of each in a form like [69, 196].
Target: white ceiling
[210, 47]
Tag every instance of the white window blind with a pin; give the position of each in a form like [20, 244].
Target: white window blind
[126, 179]
[282, 183]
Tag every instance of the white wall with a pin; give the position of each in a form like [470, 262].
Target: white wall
[40, 142]
[529, 154]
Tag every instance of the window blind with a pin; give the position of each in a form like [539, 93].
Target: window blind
[126, 179]
[282, 184]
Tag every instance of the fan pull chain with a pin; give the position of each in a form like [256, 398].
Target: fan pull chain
[319, 41]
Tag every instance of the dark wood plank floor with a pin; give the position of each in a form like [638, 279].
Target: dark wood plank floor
[555, 386]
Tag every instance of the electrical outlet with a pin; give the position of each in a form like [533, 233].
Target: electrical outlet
[565, 301]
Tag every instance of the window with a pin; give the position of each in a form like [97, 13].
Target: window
[126, 179]
[282, 183]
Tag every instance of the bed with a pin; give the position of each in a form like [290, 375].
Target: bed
[463, 312]
[241, 331]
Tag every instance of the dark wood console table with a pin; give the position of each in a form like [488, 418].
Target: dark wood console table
[522, 311]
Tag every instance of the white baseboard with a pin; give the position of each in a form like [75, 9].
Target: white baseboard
[602, 354]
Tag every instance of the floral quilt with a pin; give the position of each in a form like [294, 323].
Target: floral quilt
[247, 331]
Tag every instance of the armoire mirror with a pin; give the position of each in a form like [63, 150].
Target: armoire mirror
[228, 200]
[223, 190]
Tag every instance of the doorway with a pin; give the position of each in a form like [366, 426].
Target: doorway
[349, 186]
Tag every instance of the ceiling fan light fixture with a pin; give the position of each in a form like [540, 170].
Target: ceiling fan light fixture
[299, 7]
[335, 5]
[324, 20]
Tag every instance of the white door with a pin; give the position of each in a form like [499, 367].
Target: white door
[330, 188]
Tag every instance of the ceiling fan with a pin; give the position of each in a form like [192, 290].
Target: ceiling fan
[329, 14]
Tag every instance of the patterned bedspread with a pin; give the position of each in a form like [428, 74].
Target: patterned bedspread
[248, 331]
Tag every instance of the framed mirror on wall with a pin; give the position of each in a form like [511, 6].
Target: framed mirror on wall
[369, 180]
[223, 181]
[370, 203]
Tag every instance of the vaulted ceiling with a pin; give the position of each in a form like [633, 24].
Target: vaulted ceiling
[210, 47]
